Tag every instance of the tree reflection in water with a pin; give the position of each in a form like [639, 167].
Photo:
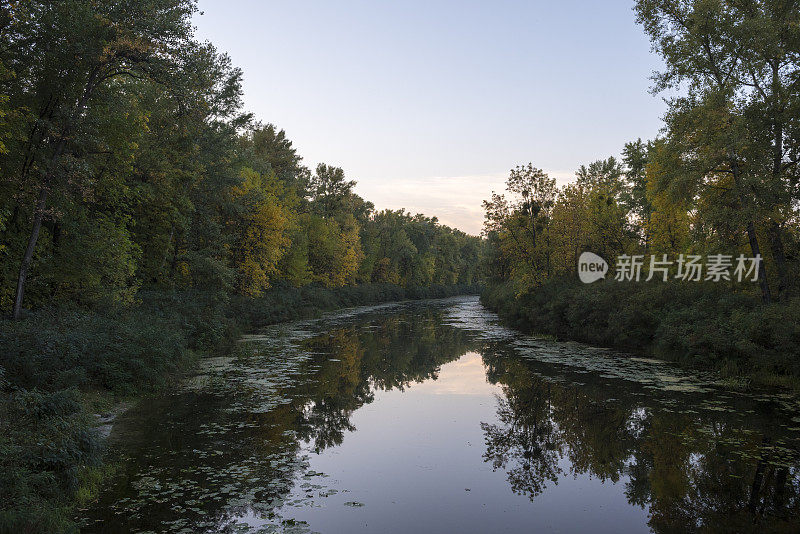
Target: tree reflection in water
[694, 470]
[524, 442]
[393, 354]
[201, 460]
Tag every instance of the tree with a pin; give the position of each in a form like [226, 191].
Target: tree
[262, 231]
[334, 250]
[604, 176]
[635, 199]
[668, 223]
[520, 223]
[267, 149]
[73, 51]
[739, 65]
[608, 232]
[569, 228]
[329, 191]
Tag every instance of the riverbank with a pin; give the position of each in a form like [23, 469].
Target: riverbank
[61, 367]
[699, 326]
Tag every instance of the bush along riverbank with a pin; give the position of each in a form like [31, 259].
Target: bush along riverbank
[59, 366]
[702, 326]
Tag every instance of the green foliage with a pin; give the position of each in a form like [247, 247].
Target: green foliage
[329, 191]
[538, 232]
[123, 350]
[416, 251]
[729, 136]
[48, 441]
[128, 164]
[45, 441]
[261, 231]
[698, 325]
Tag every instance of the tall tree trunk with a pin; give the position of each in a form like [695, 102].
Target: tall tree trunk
[41, 204]
[158, 273]
[779, 256]
[766, 296]
[38, 214]
[773, 228]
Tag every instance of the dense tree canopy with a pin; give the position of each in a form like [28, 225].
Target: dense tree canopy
[128, 163]
[721, 179]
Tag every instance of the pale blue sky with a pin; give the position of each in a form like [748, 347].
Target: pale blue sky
[428, 104]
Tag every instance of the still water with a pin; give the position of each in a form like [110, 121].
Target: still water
[431, 417]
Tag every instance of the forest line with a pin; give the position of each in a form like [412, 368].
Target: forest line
[129, 163]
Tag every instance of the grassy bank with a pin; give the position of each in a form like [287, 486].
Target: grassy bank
[702, 326]
[59, 366]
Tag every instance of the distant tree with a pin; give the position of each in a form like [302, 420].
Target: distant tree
[329, 190]
[634, 198]
[262, 231]
[520, 222]
[603, 176]
[267, 149]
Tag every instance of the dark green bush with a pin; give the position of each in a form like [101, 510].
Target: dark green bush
[697, 325]
[45, 439]
[120, 350]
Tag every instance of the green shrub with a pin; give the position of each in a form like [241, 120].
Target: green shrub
[697, 325]
[47, 437]
[45, 440]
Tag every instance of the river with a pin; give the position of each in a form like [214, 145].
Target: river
[432, 417]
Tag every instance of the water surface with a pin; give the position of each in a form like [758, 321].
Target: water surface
[431, 417]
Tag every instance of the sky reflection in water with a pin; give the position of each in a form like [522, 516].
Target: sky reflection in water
[430, 417]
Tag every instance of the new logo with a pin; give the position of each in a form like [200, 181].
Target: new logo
[591, 267]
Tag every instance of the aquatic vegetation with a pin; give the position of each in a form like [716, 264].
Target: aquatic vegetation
[236, 448]
[703, 327]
